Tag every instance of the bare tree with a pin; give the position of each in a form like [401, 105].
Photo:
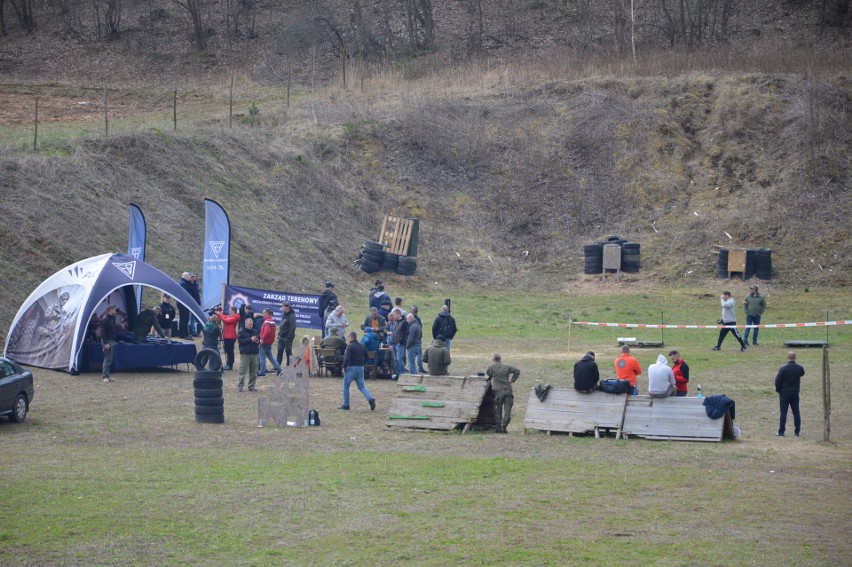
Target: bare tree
[108, 18]
[692, 22]
[195, 11]
[2, 18]
[420, 24]
[23, 10]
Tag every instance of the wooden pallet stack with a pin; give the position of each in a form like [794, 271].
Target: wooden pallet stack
[441, 402]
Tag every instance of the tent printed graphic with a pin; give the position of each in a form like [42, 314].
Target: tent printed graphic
[52, 324]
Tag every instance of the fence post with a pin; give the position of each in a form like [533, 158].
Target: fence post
[174, 109]
[35, 130]
[231, 103]
[106, 111]
[826, 396]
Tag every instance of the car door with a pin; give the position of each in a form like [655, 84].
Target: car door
[8, 386]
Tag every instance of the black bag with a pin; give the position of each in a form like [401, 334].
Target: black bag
[615, 386]
[313, 418]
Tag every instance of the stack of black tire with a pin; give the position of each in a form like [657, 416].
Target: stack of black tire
[374, 258]
[593, 255]
[209, 401]
[758, 263]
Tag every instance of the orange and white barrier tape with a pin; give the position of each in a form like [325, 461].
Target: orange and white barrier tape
[661, 326]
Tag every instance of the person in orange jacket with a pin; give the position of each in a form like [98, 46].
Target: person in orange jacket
[628, 368]
[229, 334]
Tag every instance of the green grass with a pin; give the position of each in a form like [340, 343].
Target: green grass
[122, 475]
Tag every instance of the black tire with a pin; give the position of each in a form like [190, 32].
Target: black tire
[204, 410]
[374, 255]
[207, 383]
[370, 268]
[593, 250]
[207, 374]
[630, 248]
[209, 402]
[630, 269]
[389, 265]
[208, 393]
[592, 271]
[635, 258]
[208, 359]
[19, 409]
[210, 418]
[373, 245]
[722, 274]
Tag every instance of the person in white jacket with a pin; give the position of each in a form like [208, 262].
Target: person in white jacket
[729, 317]
[661, 380]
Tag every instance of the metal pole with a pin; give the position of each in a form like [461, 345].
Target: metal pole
[35, 131]
[106, 112]
[174, 109]
[569, 333]
[826, 396]
[231, 103]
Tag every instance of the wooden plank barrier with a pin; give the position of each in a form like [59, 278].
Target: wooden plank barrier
[441, 402]
[569, 411]
[678, 419]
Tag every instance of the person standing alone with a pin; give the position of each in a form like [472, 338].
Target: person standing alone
[107, 330]
[788, 383]
[353, 370]
[502, 376]
[754, 305]
[729, 320]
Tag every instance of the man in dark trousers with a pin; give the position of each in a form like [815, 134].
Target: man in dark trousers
[353, 370]
[107, 331]
[328, 297]
[787, 384]
[502, 377]
[147, 319]
[185, 282]
[586, 374]
[286, 333]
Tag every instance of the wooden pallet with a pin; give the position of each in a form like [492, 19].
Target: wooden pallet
[569, 411]
[675, 419]
[440, 402]
[396, 234]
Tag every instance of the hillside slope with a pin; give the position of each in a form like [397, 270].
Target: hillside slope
[509, 182]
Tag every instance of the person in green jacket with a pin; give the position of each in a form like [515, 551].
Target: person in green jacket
[437, 357]
[754, 305]
[502, 377]
[146, 319]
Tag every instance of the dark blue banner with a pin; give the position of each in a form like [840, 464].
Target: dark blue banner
[136, 242]
[306, 306]
[217, 253]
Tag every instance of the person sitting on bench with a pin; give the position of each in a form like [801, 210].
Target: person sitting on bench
[661, 380]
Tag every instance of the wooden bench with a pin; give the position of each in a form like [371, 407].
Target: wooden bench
[441, 402]
[679, 419]
[569, 411]
[819, 343]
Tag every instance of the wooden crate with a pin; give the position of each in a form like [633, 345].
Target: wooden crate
[677, 419]
[440, 402]
[569, 411]
[737, 261]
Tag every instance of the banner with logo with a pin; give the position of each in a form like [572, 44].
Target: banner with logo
[217, 253]
[136, 243]
[306, 306]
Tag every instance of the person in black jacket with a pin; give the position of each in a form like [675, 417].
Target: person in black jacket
[167, 314]
[353, 369]
[788, 382]
[586, 374]
[327, 298]
[444, 325]
[249, 341]
[107, 330]
[286, 333]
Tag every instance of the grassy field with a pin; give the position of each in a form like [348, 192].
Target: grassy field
[121, 473]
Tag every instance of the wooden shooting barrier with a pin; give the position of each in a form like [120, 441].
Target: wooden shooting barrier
[287, 402]
[396, 234]
[675, 419]
[569, 411]
[442, 402]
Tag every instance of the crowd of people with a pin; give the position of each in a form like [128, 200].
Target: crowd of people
[392, 342]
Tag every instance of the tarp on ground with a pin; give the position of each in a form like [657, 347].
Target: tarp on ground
[52, 324]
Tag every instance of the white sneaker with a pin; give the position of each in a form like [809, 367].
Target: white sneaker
[107, 380]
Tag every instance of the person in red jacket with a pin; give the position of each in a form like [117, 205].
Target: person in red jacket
[268, 334]
[229, 335]
[681, 372]
[628, 368]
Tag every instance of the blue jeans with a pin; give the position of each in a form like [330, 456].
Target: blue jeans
[415, 359]
[752, 320]
[265, 353]
[355, 373]
[398, 352]
[791, 400]
[109, 356]
[447, 343]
